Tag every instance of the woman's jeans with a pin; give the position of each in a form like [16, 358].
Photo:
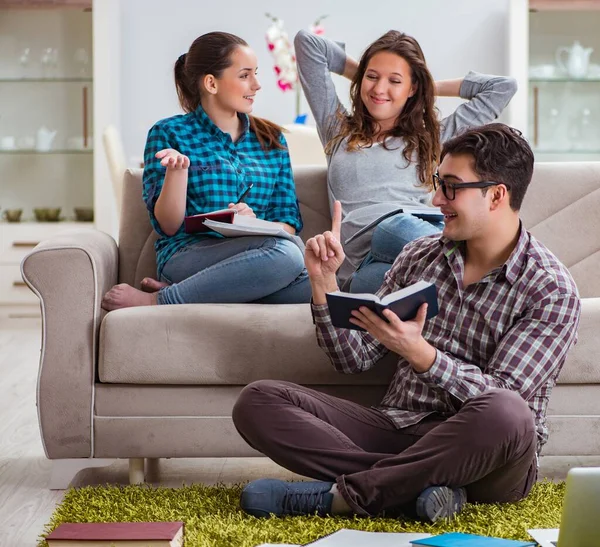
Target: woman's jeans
[266, 270]
[389, 238]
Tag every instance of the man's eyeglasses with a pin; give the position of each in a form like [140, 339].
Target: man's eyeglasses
[449, 188]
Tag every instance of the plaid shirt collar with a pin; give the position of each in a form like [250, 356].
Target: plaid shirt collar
[209, 126]
[510, 270]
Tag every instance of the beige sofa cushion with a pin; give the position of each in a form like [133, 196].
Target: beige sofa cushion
[219, 344]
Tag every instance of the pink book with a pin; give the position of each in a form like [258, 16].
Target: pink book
[195, 223]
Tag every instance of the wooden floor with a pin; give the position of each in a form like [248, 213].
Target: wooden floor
[26, 504]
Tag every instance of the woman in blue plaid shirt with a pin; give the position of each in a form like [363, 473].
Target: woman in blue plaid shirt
[205, 160]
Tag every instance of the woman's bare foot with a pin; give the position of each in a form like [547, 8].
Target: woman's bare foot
[152, 285]
[125, 296]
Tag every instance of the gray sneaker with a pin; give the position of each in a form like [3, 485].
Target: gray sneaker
[440, 502]
[265, 497]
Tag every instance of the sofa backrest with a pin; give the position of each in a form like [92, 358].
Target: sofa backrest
[561, 209]
[137, 258]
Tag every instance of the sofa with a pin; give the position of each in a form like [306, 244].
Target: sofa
[160, 382]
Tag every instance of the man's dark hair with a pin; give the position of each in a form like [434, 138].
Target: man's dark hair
[500, 154]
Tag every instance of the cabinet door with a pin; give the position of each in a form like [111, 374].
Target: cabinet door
[18, 239]
[13, 289]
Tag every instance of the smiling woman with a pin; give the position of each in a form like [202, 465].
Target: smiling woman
[382, 152]
[202, 161]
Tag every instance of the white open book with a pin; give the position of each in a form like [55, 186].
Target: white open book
[243, 225]
[358, 538]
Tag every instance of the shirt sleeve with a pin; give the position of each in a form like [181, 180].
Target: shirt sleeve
[532, 351]
[487, 97]
[353, 351]
[317, 58]
[154, 173]
[283, 205]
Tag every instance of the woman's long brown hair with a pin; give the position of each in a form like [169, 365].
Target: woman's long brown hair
[417, 124]
[211, 54]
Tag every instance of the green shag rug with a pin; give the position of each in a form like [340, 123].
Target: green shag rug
[212, 516]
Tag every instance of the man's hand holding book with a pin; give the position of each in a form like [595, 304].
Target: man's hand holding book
[323, 257]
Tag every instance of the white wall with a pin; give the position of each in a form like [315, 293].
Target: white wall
[456, 37]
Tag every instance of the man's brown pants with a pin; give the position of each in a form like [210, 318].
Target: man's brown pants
[488, 447]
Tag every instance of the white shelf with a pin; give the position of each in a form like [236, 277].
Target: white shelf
[33, 80]
[564, 80]
[46, 152]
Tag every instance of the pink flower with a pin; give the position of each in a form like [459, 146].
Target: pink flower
[282, 50]
[284, 86]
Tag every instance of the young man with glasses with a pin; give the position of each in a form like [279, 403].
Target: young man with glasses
[464, 416]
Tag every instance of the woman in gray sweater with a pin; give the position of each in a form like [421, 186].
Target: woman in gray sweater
[382, 154]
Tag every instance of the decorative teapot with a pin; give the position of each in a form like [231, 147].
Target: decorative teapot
[44, 139]
[577, 61]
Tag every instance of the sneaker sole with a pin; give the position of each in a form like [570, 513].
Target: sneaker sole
[439, 502]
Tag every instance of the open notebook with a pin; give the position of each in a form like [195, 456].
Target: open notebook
[243, 225]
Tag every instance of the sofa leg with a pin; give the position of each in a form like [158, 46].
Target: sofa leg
[64, 471]
[136, 471]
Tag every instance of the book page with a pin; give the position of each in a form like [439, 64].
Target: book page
[248, 229]
[356, 296]
[358, 538]
[403, 293]
[253, 222]
[545, 537]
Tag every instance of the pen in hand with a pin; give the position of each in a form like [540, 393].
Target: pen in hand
[244, 194]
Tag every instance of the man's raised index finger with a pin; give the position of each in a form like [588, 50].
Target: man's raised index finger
[336, 221]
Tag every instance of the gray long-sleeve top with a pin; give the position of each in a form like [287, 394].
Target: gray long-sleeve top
[370, 182]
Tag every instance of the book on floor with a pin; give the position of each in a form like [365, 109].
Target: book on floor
[404, 303]
[359, 538]
[117, 534]
[195, 223]
[433, 214]
[457, 539]
[545, 537]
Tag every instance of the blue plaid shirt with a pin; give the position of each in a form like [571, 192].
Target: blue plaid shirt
[220, 170]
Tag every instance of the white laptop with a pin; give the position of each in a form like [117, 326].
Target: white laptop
[580, 522]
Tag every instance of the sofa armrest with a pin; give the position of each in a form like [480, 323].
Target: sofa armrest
[69, 273]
